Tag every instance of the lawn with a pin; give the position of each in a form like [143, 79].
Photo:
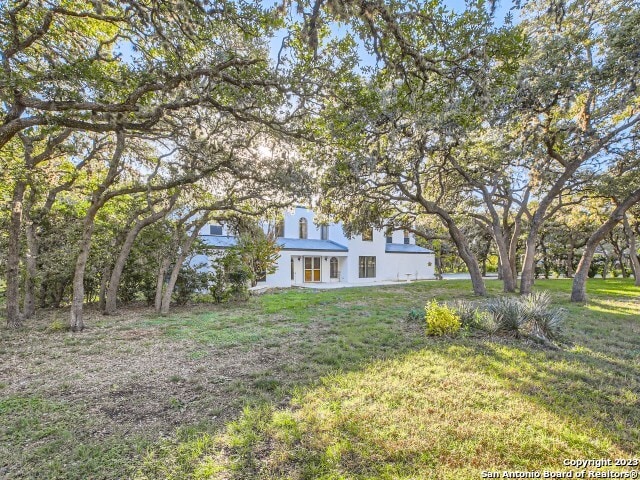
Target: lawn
[305, 384]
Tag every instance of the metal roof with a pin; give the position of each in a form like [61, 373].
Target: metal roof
[310, 244]
[404, 248]
[225, 241]
[219, 241]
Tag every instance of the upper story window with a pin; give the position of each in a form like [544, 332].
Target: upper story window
[367, 235]
[407, 238]
[303, 228]
[324, 232]
[215, 229]
[280, 229]
[389, 235]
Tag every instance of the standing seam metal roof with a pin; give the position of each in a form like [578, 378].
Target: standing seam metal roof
[403, 248]
[225, 241]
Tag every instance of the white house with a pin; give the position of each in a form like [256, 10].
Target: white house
[312, 254]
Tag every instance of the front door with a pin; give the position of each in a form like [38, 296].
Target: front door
[311, 269]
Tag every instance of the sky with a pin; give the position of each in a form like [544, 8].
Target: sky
[366, 59]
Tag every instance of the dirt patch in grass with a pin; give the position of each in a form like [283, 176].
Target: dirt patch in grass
[89, 405]
[135, 378]
[131, 381]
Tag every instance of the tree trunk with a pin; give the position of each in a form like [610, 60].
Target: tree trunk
[162, 272]
[570, 252]
[102, 295]
[456, 234]
[182, 256]
[470, 261]
[508, 280]
[528, 265]
[168, 292]
[605, 265]
[623, 267]
[77, 321]
[98, 199]
[513, 247]
[633, 252]
[31, 263]
[114, 282]
[579, 287]
[14, 318]
[111, 294]
[545, 259]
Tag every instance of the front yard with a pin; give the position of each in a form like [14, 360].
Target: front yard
[328, 384]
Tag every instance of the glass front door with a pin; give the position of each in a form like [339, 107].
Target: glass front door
[311, 269]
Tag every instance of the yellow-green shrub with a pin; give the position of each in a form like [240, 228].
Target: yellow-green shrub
[441, 319]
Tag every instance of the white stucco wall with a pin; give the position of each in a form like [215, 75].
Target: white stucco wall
[282, 276]
[396, 266]
[389, 266]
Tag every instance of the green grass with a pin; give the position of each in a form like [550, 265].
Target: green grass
[437, 408]
[51, 447]
[335, 384]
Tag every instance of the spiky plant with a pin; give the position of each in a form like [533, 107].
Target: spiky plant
[549, 324]
[535, 305]
[506, 313]
[541, 320]
[470, 315]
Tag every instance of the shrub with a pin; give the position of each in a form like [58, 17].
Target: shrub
[506, 315]
[190, 281]
[470, 315]
[57, 325]
[540, 319]
[415, 315]
[230, 278]
[548, 325]
[441, 319]
[535, 303]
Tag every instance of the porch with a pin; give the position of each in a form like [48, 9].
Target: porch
[309, 269]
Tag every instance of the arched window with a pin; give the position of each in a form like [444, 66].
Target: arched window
[333, 267]
[303, 228]
[280, 229]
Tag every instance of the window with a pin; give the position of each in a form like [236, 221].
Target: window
[280, 229]
[303, 228]
[293, 270]
[333, 267]
[389, 235]
[215, 229]
[367, 267]
[324, 232]
[367, 235]
[407, 239]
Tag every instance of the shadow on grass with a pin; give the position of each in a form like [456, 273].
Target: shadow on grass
[334, 384]
[429, 408]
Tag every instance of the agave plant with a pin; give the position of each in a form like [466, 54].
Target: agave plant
[507, 315]
[535, 305]
[548, 325]
[541, 320]
[470, 315]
